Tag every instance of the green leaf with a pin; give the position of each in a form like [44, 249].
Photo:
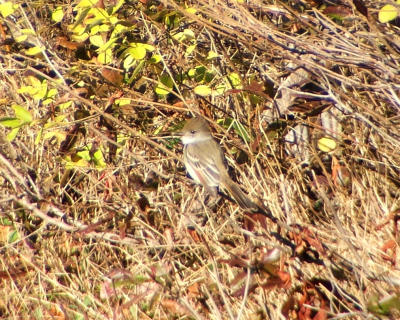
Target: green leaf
[4, 221]
[162, 89]
[22, 113]
[47, 101]
[7, 8]
[52, 93]
[35, 82]
[129, 61]
[100, 28]
[13, 236]
[165, 85]
[190, 49]
[237, 126]
[39, 136]
[24, 33]
[96, 40]
[148, 47]
[58, 14]
[235, 80]
[113, 20]
[187, 34]
[209, 76]
[40, 91]
[192, 73]
[84, 154]
[10, 122]
[123, 101]
[136, 71]
[156, 58]
[241, 131]
[12, 134]
[98, 159]
[198, 73]
[80, 37]
[388, 13]
[385, 305]
[64, 105]
[202, 90]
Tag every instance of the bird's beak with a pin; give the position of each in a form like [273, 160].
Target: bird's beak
[180, 133]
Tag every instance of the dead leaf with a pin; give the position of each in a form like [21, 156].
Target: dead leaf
[390, 245]
[258, 89]
[340, 175]
[113, 76]
[194, 235]
[174, 307]
[65, 43]
[338, 11]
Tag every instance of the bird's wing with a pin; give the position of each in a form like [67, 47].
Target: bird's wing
[208, 166]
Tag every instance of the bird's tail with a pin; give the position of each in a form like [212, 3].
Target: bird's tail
[240, 197]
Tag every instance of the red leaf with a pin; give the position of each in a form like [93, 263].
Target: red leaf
[340, 11]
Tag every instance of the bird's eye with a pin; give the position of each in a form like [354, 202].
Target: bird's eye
[193, 131]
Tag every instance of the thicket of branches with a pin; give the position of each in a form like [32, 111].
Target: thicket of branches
[98, 217]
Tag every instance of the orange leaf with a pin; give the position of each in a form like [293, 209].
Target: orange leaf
[195, 236]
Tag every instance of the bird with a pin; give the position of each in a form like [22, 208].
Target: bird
[205, 162]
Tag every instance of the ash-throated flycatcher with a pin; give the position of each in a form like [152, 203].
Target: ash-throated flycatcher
[204, 161]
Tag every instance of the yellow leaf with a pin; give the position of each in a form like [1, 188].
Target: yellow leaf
[57, 15]
[80, 38]
[86, 3]
[202, 90]
[137, 52]
[211, 55]
[235, 80]
[162, 89]
[35, 82]
[105, 57]
[7, 8]
[33, 51]
[96, 40]
[326, 144]
[21, 38]
[388, 13]
[191, 10]
[156, 58]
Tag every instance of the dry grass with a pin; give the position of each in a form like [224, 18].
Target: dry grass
[135, 239]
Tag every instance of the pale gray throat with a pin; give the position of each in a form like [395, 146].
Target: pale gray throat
[195, 139]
